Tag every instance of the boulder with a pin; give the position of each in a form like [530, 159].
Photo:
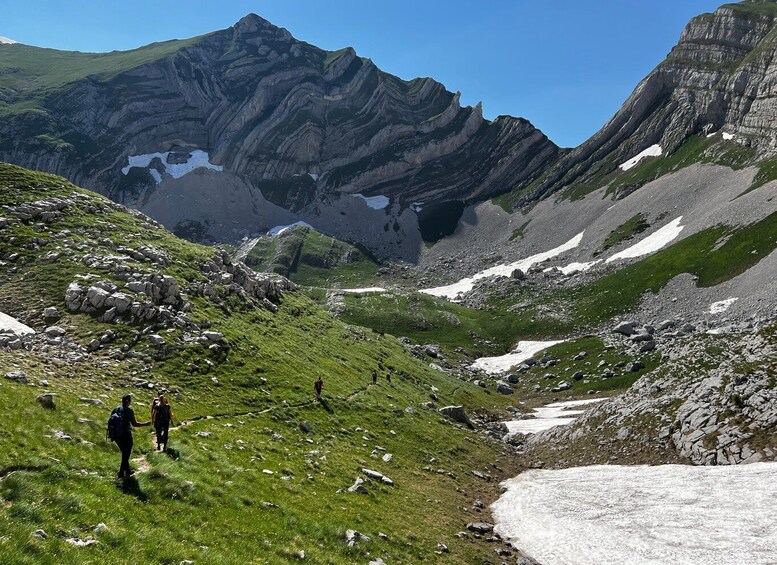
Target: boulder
[17, 376]
[95, 298]
[432, 350]
[358, 486]
[54, 331]
[352, 537]
[213, 336]
[641, 336]
[480, 527]
[503, 388]
[647, 346]
[624, 328]
[518, 275]
[46, 400]
[562, 386]
[305, 427]
[457, 414]
[50, 314]
[514, 379]
[578, 376]
[636, 366]
[156, 340]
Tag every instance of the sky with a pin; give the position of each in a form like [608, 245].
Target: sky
[565, 65]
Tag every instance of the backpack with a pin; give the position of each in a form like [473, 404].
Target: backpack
[116, 424]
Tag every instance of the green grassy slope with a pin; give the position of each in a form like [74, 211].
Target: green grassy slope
[215, 501]
[311, 258]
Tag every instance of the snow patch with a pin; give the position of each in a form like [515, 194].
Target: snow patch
[574, 267]
[375, 202]
[7, 323]
[651, 243]
[613, 514]
[313, 176]
[362, 290]
[198, 159]
[503, 363]
[245, 248]
[722, 305]
[417, 206]
[550, 416]
[280, 230]
[451, 291]
[728, 136]
[7, 41]
[652, 151]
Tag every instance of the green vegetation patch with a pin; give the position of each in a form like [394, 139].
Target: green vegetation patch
[311, 258]
[627, 230]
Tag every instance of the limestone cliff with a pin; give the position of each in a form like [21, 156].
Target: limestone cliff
[301, 126]
[721, 76]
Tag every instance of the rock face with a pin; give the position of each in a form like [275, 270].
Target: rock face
[280, 122]
[719, 78]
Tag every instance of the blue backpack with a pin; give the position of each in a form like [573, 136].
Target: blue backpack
[116, 424]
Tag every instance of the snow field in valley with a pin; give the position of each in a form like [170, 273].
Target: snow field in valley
[550, 416]
[611, 514]
[197, 159]
[503, 363]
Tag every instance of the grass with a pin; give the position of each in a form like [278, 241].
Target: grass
[627, 230]
[311, 258]
[214, 502]
[427, 319]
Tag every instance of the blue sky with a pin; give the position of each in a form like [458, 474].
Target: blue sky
[566, 65]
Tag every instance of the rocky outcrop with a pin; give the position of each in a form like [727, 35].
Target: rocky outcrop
[712, 403]
[301, 125]
[719, 77]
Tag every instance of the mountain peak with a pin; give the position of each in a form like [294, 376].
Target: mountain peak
[7, 41]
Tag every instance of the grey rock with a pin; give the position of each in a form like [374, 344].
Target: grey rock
[480, 527]
[624, 328]
[504, 388]
[457, 414]
[352, 537]
[46, 400]
[17, 376]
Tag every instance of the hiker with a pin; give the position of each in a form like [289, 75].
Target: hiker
[163, 417]
[374, 377]
[155, 405]
[120, 430]
[318, 386]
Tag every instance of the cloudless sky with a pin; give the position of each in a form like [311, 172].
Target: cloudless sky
[565, 65]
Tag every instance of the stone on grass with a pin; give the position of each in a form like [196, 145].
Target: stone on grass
[358, 486]
[503, 388]
[47, 401]
[480, 527]
[40, 534]
[305, 427]
[17, 376]
[457, 414]
[352, 537]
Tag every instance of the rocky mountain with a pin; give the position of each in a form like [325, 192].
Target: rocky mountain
[243, 129]
[718, 78]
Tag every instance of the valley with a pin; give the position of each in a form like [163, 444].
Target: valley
[516, 340]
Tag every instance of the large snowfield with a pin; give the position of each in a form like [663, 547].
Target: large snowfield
[197, 159]
[550, 416]
[668, 514]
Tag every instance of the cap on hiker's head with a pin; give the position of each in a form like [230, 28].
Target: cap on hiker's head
[126, 398]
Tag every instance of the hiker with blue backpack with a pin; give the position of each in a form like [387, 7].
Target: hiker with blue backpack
[120, 426]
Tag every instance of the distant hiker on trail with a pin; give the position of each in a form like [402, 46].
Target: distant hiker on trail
[120, 430]
[163, 417]
[374, 377]
[318, 386]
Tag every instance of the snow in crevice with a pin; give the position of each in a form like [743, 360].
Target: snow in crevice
[280, 230]
[417, 206]
[722, 305]
[651, 243]
[198, 159]
[728, 136]
[362, 290]
[550, 416]
[7, 323]
[640, 515]
[451, 291]
[652, 151]
[375, 202]
[314, 176]
[503, 363]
